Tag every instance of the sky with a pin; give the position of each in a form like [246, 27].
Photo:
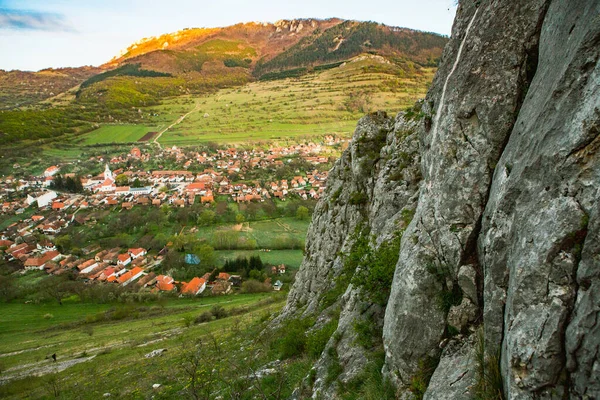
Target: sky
[37, 34]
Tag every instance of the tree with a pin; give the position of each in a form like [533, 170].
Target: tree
[63, 242]
[8, 289]
[206, 254]
[239, 218]
[255, 263]
[302, 213]
[121, 180]
[69, 184]
[206, 218]
[225, 239]
[55, 287]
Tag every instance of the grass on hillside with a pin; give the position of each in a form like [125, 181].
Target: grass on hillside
[276, 234]
[117, 134]
[29, 333]
[312, 105]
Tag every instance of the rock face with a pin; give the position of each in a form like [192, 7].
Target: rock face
[501, 168]
[373, 186]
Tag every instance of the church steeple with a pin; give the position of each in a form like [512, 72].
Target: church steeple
[108, 173]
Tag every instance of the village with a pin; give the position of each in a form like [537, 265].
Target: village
[43, 206]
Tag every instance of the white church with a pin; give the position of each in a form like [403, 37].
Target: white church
[108, 185]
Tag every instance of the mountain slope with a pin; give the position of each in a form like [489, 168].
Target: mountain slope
[265, 39]
[492, 185]
[21, 88]
[351, 38]
[201, 60]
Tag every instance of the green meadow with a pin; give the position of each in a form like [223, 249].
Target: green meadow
[327, 102]
[102, 348]
[117, 134]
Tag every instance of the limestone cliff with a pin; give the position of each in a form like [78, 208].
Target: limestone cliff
[499, 267]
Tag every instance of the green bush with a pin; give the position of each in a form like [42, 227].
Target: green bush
[206, 316]
[370, 384]
[254, 286]
[358, 198]
[367, 333]
[375, 276]
[420, 380]
[218, 312]
[334, 367]
[125, 70]
[489, 377]
[447, 296]
[318, 339]
[237, 62]
[293, 338]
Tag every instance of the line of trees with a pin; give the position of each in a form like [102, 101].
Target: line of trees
[68, 184]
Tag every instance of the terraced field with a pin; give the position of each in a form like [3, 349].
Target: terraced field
[328, 102]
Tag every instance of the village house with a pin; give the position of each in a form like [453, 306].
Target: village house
[39, 262]
[138, 252]
[87, 266]
[130, 276]
[123, 259]
[42, 199]
[165, 283]
[194, 287]
[51, 171]
[146, 280]
[136, 153]
[221, 287]
[279, 269]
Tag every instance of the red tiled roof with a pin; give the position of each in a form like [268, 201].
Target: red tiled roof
[223, 276]
[196, 186]
[129, 274]
[39, 261]
[137, 251]
[164, 283]
[86, 264]
[193, 286]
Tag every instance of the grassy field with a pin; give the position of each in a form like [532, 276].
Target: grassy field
[291, 258]
[107, 356]
[117, 134]
[279, 233]
[313, 105]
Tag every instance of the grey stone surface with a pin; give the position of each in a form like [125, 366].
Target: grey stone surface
[456, 372]
[503, 173]
[382, 163]
[537, 243]
[467, 281]
[473, 104]
[463, 315]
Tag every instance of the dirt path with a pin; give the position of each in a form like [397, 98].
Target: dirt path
[15, 353]
[285, 227]
[40, 369]
[179, 120]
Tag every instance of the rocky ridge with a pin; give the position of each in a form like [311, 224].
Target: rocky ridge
[498, 268]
